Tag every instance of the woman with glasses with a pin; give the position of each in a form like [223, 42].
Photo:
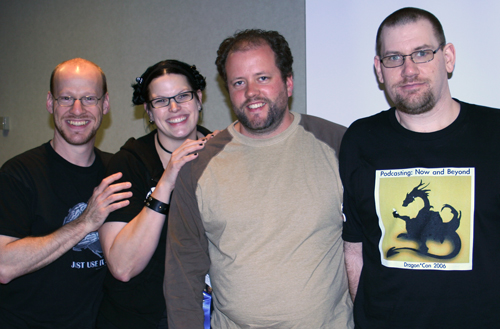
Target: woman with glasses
[133, 239]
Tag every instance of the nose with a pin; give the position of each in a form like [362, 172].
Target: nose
[77, 107]
[252, 90]
[409, 68]
[174, 106]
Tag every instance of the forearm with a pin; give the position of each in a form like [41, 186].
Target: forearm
[353, 253]
[128, 247]
[21, 256]
[26, 255]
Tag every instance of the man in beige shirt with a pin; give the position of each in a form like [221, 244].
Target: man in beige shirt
[260, 208]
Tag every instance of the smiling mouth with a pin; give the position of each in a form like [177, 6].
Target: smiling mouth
[78, 123]
[177, 120]
[256, 105]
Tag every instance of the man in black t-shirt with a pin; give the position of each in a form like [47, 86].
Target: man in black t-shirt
[51, 263]
[421, 197]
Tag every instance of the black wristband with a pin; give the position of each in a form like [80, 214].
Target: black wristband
[156, 205]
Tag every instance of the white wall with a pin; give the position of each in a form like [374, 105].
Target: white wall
[340, 47]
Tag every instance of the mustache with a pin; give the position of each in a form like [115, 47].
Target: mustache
[78, 117]
[255, 99]
[409, 81]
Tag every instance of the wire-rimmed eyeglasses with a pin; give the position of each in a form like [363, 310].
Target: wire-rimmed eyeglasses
[418, 57]
[85, 100]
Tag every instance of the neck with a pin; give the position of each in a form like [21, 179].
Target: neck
[166, 146]
[438, 118]
[79, 155]
[161, 145]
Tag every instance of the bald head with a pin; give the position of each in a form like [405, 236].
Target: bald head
[77, 64]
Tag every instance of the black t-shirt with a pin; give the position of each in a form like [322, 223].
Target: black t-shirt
[41, 192]
[426, 208]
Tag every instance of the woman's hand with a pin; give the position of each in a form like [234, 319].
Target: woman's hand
[212, 135]
[188, 151]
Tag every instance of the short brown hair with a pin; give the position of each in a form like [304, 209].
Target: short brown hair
[407, 15]
[247, 39]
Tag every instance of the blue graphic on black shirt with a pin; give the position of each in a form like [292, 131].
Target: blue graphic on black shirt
[91, 241]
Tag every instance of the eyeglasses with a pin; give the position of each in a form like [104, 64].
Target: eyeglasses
[418, 57]
[183, 97]
[85, 100]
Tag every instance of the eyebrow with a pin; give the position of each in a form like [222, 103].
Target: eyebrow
[180, 92]
[422, 47]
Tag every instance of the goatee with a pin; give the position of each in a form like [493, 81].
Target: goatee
[421, 104]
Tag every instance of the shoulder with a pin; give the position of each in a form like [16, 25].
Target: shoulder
[482, 119]
[104, 156]
[137, 155]
[363, 126]
[140, 148]
[375, 120]
[32, 160]
[326, 131]
[203, 130]
[480, 111]
[26, 169]
[315, 124]
[214, 146]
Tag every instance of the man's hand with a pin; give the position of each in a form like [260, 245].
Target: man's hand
[29, 254]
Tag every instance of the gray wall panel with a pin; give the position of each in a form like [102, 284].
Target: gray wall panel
[124, 38]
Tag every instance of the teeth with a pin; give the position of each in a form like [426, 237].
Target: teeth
[78, 123]
[177, 120]
[254, 106]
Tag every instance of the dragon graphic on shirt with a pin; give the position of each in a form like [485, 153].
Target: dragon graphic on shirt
[428, 225]
[91, 240]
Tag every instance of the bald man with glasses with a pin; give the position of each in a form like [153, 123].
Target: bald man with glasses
[51, 262]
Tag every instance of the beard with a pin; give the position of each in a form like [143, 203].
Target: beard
[255, 124]
[77, 139]
[417, 104]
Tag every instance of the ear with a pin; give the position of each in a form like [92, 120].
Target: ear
[50, 103]
[289, 85]
[149, 112]
[200, 97]
[378, 69]
[450, 57]
[105, 104]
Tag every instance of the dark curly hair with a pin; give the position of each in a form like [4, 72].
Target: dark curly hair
[246, 39]
[141, 87]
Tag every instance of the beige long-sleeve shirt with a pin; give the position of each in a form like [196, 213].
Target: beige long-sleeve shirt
[264, 218]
